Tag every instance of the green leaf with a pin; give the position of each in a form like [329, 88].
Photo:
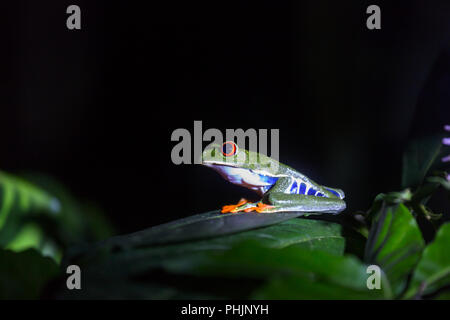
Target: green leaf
[433, 270]
[299, 288]
[290, 273]
[440, 181]
[246, 270]
[23, 275]
[117, 264]
[418, 159]
[250, 259]
[312, 234]
[395, 244]
[21, 196]
[30, 236]
[38, 212]
[200, 226]
[78, 221]
[18, 200]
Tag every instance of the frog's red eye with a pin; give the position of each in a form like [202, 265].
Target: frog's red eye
[229, 149]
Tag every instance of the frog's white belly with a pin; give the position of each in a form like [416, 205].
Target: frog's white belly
[246, 178]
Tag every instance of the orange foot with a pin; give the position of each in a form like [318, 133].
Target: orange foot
[232, 207]
[244, 205]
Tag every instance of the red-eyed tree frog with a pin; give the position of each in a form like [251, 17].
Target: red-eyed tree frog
[282, 188]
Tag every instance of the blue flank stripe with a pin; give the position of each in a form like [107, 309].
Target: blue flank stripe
[294, 188]
[302, 188]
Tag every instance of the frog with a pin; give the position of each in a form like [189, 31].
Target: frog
[280, 187]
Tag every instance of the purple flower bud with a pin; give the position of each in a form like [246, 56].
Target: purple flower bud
[446, 141]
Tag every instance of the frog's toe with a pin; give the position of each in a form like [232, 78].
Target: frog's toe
[226, 209]
[262, 207]
[245, 206]
[234, 207]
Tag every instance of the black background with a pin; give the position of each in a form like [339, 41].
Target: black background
[96, 107]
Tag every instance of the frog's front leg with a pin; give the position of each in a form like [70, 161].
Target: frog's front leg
[282, 201]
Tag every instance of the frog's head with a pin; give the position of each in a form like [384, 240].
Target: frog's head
[250, 169]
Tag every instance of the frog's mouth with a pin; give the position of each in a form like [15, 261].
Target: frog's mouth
[244, 177]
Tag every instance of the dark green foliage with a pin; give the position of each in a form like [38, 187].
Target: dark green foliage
[44, 218]
[233, 256]
[419, 158]
[39, 213]
[205, 225]
[253, 258]
[19, 201]
[24, 275]
[395, 244]
[433, 270]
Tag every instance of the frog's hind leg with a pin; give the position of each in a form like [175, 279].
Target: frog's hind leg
[283, 202]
